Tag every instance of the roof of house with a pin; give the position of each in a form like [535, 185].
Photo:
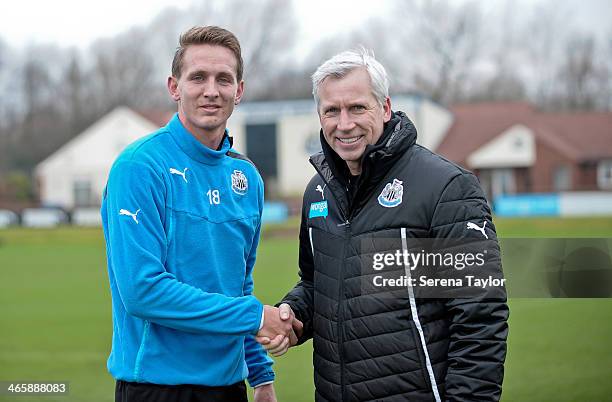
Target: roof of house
[580, 136]
[116, 129]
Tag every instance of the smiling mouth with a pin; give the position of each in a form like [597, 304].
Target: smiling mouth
[350, 140]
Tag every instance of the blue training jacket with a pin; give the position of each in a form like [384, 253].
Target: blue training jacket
[181, 223]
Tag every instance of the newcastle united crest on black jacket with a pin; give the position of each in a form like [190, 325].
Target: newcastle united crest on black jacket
[391, 195]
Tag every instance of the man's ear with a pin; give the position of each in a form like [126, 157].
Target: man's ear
[239, 92]
[173, 88]
[387, 109]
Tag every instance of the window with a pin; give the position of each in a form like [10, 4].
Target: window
[497, 182]
[562, 178]
[261, 149]
[518, 143]
[503, 181]
[604, 175]
[82, 193]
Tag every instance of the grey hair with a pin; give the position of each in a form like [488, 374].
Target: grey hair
[343, 63]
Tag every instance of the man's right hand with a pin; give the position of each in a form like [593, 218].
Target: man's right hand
[275, 324]
[278, 344]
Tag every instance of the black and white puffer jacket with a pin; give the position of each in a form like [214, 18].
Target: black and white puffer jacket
[371, 347]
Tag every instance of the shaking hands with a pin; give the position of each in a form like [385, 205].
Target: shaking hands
[281, 329]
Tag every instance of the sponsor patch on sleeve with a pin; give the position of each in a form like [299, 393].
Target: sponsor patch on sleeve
[318, 209]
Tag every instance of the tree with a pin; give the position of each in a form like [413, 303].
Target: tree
[73, 94]
[266, 30]
[123, 71]
[440, 45]
[584, 79]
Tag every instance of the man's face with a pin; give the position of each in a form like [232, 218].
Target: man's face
[207, 89]
[350, 115]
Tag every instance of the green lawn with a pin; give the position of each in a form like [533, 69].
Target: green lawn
[56, 324]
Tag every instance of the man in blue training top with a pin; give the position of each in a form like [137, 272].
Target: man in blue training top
[182, 216]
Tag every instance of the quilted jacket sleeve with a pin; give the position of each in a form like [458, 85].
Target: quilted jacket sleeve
[478, 328]
[301, 297]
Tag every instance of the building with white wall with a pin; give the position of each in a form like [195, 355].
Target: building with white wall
[75, 175]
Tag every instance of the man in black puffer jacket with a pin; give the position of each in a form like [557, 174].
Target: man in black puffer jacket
[373, 183]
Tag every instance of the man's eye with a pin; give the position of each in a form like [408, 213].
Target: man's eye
[358, 108]
[331, 110]
[197, 78]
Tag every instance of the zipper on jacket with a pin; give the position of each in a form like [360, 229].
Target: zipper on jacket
[340, 329]
[347, 241]
[417, 322]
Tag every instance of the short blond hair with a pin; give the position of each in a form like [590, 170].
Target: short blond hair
[207, 35]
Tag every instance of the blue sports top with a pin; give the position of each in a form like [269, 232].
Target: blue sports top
[181, 223]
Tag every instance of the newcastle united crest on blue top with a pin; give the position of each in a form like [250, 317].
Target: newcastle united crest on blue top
[391, 196]
[240, 184]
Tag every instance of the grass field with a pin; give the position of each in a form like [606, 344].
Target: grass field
[56, 324]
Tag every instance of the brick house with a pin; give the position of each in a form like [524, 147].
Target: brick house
[515, 148]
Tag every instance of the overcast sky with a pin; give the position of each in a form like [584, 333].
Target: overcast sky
[71, 23]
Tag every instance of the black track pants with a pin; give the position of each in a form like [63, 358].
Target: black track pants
[143, 392]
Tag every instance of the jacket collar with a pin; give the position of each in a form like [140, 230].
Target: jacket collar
[194, 148]
[399, 134]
